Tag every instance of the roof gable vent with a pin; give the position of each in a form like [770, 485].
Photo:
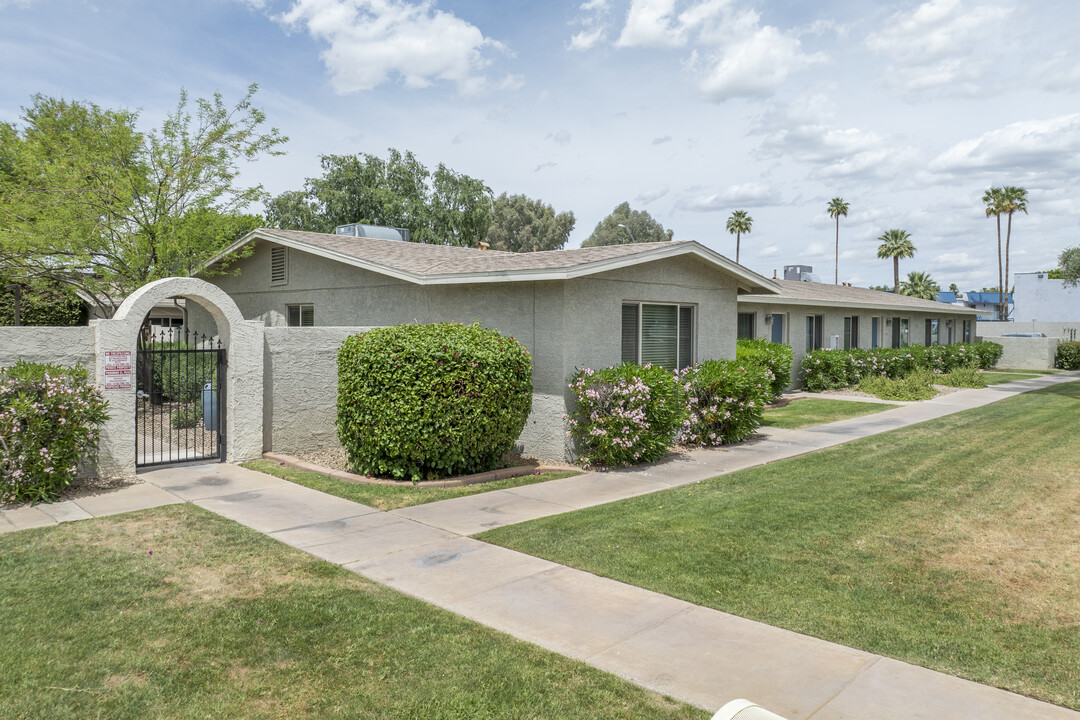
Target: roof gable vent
[279, 266]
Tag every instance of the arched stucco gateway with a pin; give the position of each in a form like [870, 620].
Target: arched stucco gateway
[117, 343]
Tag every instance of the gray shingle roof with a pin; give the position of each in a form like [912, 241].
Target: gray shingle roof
[423, 263]
[794, 292]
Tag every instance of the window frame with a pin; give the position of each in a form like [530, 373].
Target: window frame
[851, 332]
[815, 332]
[752, 316]
[300, 307]
[679, 308]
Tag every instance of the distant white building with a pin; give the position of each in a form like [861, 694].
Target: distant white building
[1037, 298]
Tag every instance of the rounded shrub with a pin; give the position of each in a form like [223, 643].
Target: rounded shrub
[421, 402]
[725, 400]
[625, 414]
[1068, 356]
[50, 420]
[776, 357]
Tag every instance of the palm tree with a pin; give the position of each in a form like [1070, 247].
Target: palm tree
[896, 244]
[920, 285]
[994, 200]
[737, 224]
[1014, 200]
[837, 207]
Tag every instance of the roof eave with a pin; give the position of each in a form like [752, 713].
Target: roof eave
[771, 300]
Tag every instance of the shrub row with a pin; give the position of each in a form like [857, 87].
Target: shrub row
[917, 385]
[1068, 356]
[421, 402]
[631, 413]
[828, 369]
[776, 357]
[50, 419]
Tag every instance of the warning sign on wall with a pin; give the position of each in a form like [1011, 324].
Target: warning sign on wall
[118, 370]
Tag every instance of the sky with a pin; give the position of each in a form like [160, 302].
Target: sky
[689, 109]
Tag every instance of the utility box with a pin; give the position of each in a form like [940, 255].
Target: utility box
[209, 407]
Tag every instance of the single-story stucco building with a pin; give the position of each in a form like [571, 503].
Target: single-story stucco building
[810, 316]
[671, 303]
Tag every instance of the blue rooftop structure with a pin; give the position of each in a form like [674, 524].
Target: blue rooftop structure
[987, 297]
[946, 297]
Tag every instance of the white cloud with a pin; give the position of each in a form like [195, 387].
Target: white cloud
[562, 137]
[1030, 147]
[661, 140]
[757, 65]
[652, 23]
[955, 262]
[731, 198]
[945, 45]
[770, 251]
[594, 19]
[371, 41]
[511, 82]
[652, 195]
[803, 131]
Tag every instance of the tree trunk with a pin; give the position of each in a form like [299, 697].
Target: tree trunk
[999, 266]
[896, 274]
[738, 237]
[1005, 287]
[836, 274]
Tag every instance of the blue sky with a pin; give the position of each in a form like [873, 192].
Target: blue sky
[687, 109]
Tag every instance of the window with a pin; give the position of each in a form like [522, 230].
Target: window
[931, 332]
[948, 332]
[279, 266]
[746, 325]
[814, 331]
[658, 334]
[967, 331]
[851, 332]
[300, 315]
[901, 332]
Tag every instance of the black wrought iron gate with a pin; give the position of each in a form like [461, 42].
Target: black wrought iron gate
[180, 397]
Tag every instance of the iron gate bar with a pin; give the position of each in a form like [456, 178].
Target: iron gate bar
[176, 379]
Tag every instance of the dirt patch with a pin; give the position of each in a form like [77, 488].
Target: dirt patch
[83, 487]
[1030, 555]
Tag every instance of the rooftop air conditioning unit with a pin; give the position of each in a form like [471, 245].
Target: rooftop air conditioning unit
[744, 710]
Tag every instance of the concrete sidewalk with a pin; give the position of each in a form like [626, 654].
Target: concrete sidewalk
[696, 654]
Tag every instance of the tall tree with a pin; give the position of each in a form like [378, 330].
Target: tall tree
[1014, 199]
[441, 208]
[624, 225]
[994, 202]
[895, 244]
[88, 200]
[837, 207]
[920, 285]
[1069, 263]
[521, 224]
[953, 288]
[740, 222]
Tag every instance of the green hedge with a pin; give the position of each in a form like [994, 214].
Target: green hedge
[41, 304]
[625, 414]
[422, 402]
[50, 418]
[828, 369]
[777, 358]
[725, 400]
[1068, 356]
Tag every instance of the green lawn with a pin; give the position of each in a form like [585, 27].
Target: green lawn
[953, 544]
[997, 378]
[178, 613]
[805, 412]
[389, 497]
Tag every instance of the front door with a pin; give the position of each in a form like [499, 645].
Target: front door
[777, 328]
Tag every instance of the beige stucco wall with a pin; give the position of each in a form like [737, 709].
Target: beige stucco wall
[68, 346]
[1065, 330]
[564, 325]
[1026, 353]
[833, 324]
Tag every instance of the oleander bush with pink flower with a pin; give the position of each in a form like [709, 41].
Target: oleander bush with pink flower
[725, 399]
[631, 414]
[625, 414]
[50, 421]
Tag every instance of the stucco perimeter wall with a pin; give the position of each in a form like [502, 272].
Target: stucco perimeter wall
[794, 319]
[1064, 330]
[1026, 353]
[67, 346]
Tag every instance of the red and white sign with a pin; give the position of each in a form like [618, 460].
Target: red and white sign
[118, 370]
